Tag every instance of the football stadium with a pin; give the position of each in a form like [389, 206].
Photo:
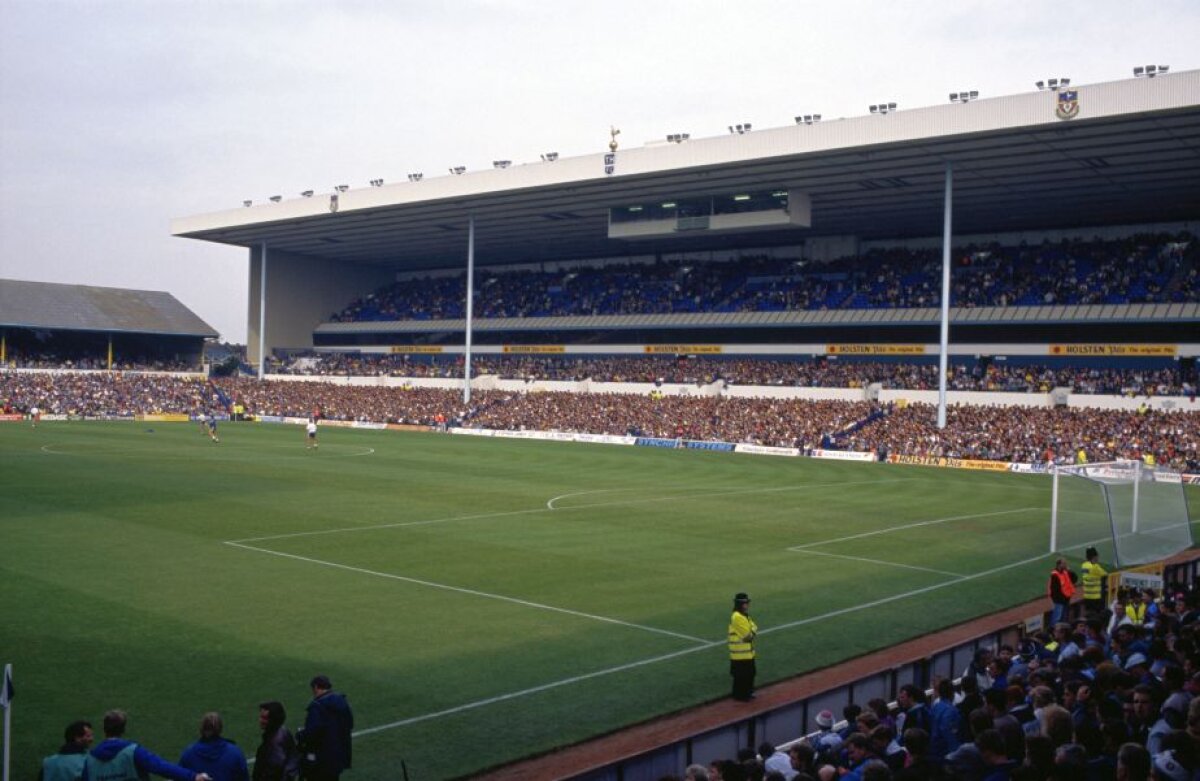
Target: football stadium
[507, 447]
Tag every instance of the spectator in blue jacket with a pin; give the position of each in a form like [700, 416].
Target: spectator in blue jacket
[212, 754]
[325, 739]
[944, 720]
[120, 759]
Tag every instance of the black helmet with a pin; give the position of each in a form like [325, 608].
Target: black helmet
[740, 598]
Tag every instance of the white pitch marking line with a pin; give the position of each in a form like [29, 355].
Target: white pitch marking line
[533, 690]
[397, 525]
[905, 595]
[533, 510]
[471, 592]
[876, 561]
[685, 651]
[891, 529]
[49, 449]
[736, 492]
[550, 504]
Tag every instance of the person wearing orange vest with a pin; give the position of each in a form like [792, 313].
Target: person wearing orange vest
[1061, 589]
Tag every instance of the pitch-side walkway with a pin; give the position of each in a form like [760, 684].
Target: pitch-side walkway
[632, 741]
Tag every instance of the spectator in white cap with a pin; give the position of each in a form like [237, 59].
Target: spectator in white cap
[826, 741]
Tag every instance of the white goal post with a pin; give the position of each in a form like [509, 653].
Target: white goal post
[1133, 512]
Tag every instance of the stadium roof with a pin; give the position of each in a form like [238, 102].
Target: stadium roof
[1129, 154]
[51, 306]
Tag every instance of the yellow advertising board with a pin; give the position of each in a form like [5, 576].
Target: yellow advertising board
[535, 349]
[1147, 350]
[874, 349]
[975, 463]
[952, 463]
[679, 349]
[165, 418]
[424, 349]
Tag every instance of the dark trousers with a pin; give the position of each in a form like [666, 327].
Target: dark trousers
[743, 671]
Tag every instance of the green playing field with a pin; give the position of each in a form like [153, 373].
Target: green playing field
[477, 599]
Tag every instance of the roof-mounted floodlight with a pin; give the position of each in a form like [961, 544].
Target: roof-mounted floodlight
[882, 108]
[740, 129]
[1150, 71]
[549, 157]
[501, 163]
[341, 188]
[1053, 84]
[276, 198]
[966, 96]
[416, 177]
[307, 193]
[377, 183]
[458, 170]
[678, 138]
[247, 203]
[808, 119]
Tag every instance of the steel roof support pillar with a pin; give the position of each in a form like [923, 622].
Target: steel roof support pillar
[944, 342]
[470, 308]
[262, 314]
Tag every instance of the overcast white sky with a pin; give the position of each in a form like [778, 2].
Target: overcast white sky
[117, 116]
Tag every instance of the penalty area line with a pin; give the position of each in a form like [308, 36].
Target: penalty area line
[700, 494]
[666, 657]
[471, 592]
[879, 562]
[916, 525]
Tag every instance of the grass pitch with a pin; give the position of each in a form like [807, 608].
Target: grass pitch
[478, 600]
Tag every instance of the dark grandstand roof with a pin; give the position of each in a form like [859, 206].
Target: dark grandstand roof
[84, 308]
[1130, 155]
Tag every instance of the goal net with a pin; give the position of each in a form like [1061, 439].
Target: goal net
[1132, 513]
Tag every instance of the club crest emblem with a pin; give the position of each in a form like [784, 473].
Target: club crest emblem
[1067, 106]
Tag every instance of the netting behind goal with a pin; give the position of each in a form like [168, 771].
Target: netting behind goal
[1132, 513]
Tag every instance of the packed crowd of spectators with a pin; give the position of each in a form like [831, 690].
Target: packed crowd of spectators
[102, 393]
[1170, 381]
[1020, 434]
[1112, 695]
[772, 422]
[1145, 268]
[992, 376]
[83, 361]
[1034, 434]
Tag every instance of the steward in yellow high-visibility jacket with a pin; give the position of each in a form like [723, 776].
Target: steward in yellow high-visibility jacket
[742, 633]
[1093, 582]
